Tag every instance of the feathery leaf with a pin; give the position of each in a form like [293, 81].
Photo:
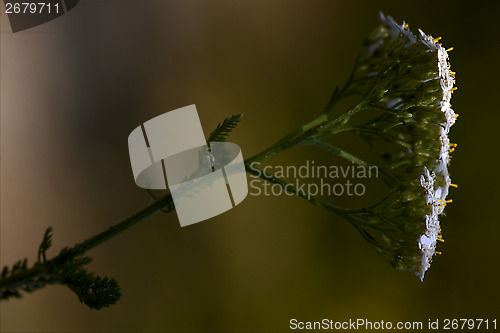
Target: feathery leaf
[45, 245]
[224, 128]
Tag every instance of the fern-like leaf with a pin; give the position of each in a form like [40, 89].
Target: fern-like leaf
[45, 245]
[224, 128]
[94, 291]
[66, 268]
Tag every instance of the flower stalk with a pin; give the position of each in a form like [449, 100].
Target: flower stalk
[405, 82]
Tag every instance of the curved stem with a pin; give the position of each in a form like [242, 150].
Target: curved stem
[290, 188]
[339, 94]
[340, 152]
[376, 132]
[320, 126]
[165, 201]
[38, 270]
[388, 178]
[41, 271]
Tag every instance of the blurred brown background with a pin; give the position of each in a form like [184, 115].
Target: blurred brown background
[74, 88]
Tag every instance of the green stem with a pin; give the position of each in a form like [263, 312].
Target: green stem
[317, 128]
[22, 277]
[290, 188]
[380, 133]
[38, 269]
[318, 121]
[386, 177]
[301, 136]
[338, 95]
[340, 152]
[165, 201]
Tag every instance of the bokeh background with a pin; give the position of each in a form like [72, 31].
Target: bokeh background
[74, 88]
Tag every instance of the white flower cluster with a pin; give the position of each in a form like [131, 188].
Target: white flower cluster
[427, 241]
[436, 194]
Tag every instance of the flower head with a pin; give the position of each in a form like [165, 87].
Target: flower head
[408, 79]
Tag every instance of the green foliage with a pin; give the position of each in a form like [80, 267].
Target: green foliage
[18, 268]
[66, 268]
[223, 129]
[94, 291]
